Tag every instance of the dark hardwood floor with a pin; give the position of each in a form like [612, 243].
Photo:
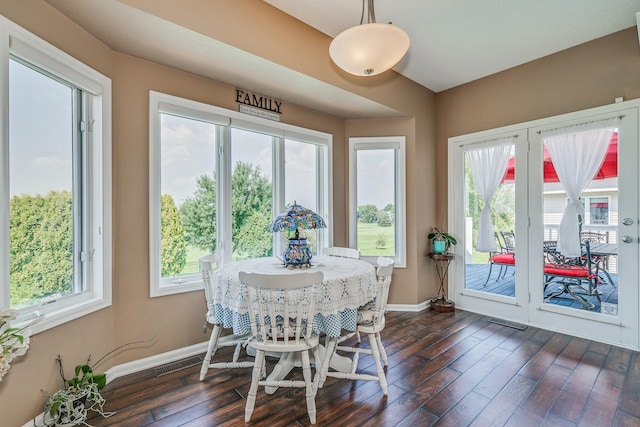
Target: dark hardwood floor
[452, 369]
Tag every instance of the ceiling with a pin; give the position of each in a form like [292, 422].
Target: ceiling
[452, 42]
[455, 42]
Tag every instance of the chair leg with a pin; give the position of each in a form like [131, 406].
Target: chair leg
[253, 390]
[310, 392]
[383, 353]
[236, 352]
[382, 379]
[330, 349]
[489, 275]
[211, 350]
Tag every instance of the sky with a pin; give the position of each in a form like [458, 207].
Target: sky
[188, 153]
[41, 156]
[39, 132]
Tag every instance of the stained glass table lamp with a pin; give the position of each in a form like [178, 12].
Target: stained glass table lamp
[291, 220]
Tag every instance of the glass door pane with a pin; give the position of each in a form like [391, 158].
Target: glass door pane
[587, 283]
[490, 266]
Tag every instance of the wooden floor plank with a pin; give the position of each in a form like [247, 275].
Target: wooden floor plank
[444, 369]
[573, 398]
[502, 407]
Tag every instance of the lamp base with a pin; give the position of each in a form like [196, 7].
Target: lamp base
[297, 254]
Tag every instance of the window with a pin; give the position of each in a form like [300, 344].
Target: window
[598, 210]
[56, 203]
[217, 179]
[377, 197]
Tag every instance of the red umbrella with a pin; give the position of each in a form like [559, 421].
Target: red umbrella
[608, 169]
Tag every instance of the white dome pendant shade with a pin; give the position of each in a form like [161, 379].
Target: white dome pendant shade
[369, 49]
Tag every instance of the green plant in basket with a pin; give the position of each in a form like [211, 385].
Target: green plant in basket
[80, 393]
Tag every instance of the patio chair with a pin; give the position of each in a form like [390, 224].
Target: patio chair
[503, 258]
[370, 321]
[576, 276]
[216, 341]
[602, 261]
[281, 310]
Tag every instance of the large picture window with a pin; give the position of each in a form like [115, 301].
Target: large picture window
[55, 193]
[377, 197]
[217, 179]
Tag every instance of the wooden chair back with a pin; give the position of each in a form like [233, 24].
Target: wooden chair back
[384, 273]
[341, 252]
[281, 306]
[208, 264]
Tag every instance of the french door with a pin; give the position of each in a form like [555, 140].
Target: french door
[525, 174]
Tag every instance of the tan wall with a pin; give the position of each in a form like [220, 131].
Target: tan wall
[586, 76]
[176, 320]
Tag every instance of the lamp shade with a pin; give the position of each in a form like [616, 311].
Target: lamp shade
[296, 216]
[369, 49]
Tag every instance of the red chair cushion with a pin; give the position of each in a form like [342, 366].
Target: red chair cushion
[568, 270]
[503, 259]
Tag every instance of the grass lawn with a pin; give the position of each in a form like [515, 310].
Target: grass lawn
[479, 257]
[370, 235]
[193, 256]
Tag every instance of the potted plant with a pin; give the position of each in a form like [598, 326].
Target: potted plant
[441, 241]
[80, 393]
[14, 340]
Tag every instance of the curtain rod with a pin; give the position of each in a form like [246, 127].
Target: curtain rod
[583, 123]
[484, 141]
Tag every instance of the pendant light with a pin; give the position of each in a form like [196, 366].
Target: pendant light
[371, 48]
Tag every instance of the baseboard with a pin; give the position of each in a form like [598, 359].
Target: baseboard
[409, 307]
[155, 360]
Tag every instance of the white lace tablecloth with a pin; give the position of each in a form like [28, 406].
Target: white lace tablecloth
[348, 284]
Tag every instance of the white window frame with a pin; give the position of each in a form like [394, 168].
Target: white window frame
[225, 120]
[97, 280]
[398, 144]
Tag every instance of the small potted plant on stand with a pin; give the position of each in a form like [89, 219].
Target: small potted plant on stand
[441, 241]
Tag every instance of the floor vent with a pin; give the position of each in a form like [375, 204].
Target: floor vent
[508, 324]
[176, 366]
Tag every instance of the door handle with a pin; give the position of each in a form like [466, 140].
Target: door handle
[627, 221]
[627, 239]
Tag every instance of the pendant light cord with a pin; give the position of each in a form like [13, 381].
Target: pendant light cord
[371, 13]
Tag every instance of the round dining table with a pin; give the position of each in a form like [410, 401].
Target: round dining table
[347, 285]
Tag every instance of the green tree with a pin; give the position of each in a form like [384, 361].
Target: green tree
[368, 214]
[384, 219]
[502, 206]
[198, 214]
[251, 208]
[389, 208]
[40, 246]
[173, 251]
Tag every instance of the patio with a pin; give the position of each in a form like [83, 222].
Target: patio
[476, 275]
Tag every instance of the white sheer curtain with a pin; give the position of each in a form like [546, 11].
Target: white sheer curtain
[577, 153]
[488, 166]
